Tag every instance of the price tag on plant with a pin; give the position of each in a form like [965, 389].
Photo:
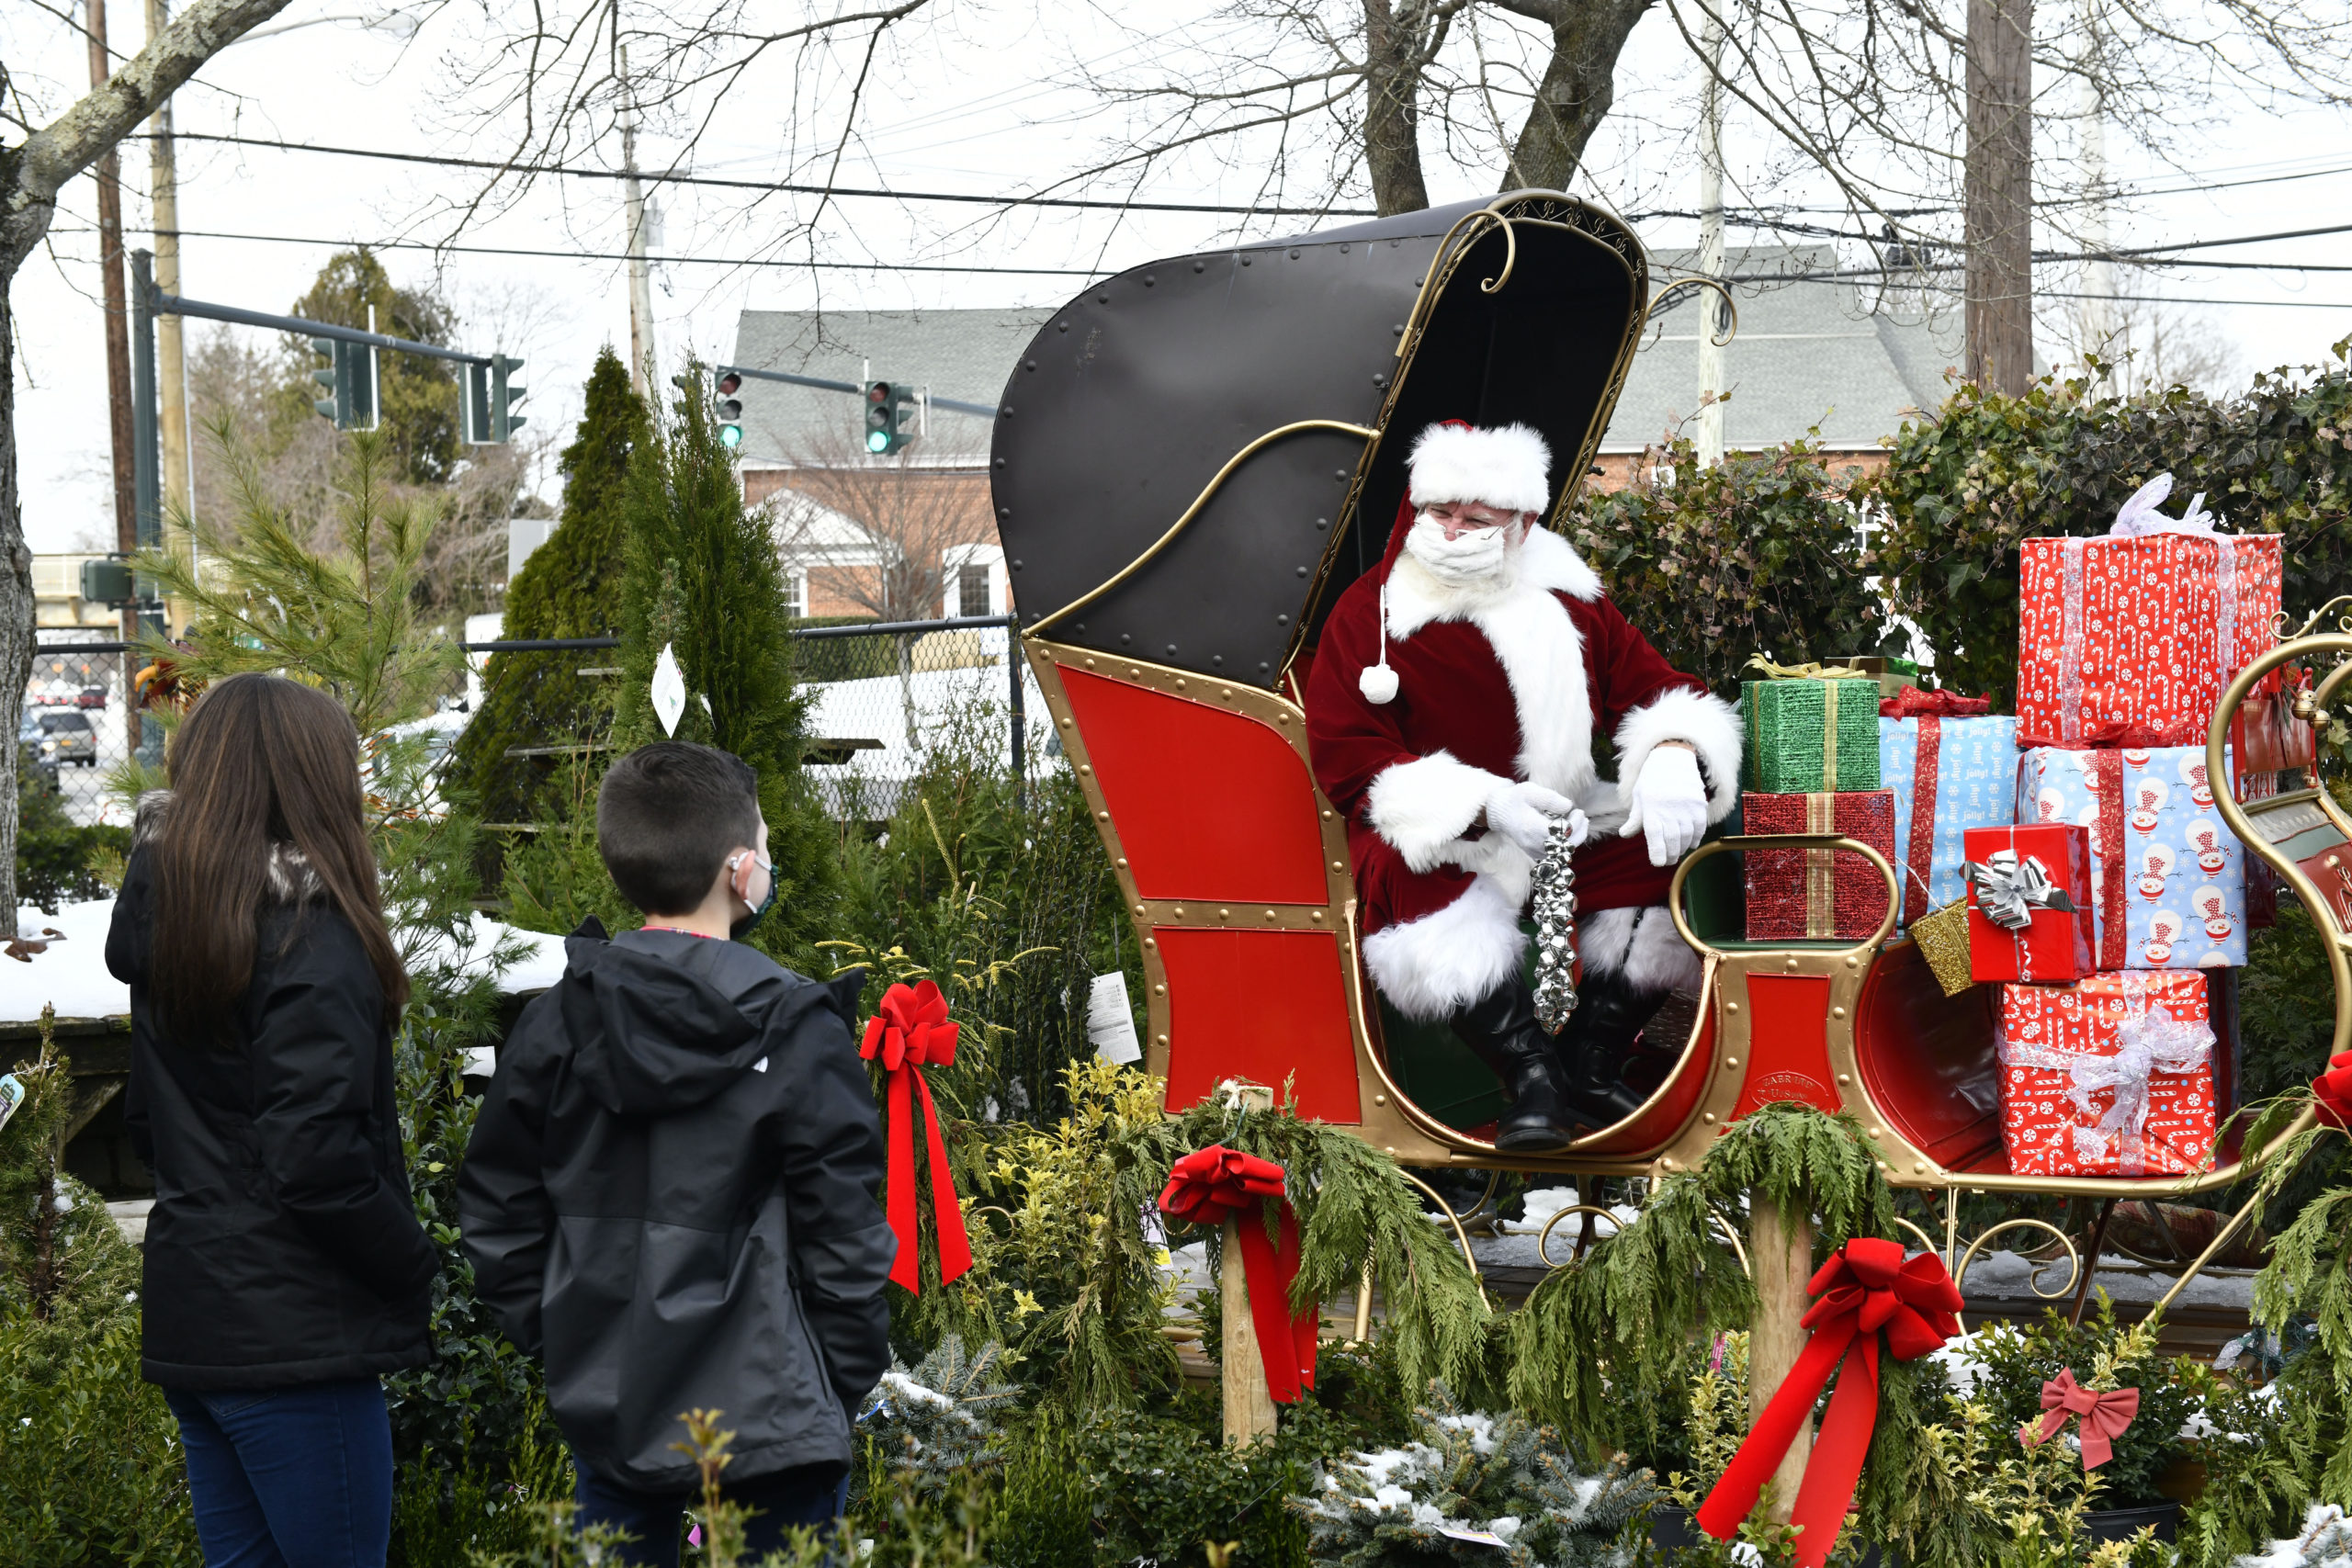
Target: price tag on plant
[12, 1095]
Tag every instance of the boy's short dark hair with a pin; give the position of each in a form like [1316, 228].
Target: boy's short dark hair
[666, 816]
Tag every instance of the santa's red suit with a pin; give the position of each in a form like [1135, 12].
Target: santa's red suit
[1496, 683]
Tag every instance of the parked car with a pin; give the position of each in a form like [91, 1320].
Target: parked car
[68, 738]
[91, 697]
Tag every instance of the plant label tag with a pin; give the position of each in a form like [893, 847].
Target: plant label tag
[12, 1095]
[669, 691]
[1111, 1019]
[1480, 1538]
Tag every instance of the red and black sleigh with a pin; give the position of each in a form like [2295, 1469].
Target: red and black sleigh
[1192, 459]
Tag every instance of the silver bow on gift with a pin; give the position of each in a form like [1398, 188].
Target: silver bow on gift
[2149, 1041]
[2010, 890]
[1554, 903]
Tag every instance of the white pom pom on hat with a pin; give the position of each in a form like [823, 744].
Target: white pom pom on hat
[1506, 467]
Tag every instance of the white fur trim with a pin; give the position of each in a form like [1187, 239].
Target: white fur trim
[1431, 968]
[1425, 805]
[1642, 945]
[1710, 726]
[1535, 641]
[1377, 682]
[1507, 467]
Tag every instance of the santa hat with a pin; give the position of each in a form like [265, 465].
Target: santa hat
[1507, 467]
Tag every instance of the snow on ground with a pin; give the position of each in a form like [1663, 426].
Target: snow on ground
[72, 975]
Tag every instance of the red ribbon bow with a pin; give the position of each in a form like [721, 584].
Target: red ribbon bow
[1866, 1288]
[2117, 736]
[910, 1031]
[2099, 1417]
[2333, 1089]
[1215, 1184]
[1913, 703]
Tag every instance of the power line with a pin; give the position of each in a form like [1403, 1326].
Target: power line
[623, 256]
[773, 187]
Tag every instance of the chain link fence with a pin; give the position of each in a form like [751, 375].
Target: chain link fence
[78, 724]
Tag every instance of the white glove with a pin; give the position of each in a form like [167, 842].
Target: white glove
[1523, 813]
[1669, 803]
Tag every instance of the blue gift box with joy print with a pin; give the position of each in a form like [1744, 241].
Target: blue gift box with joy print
[1970, 781]
[2167, 875]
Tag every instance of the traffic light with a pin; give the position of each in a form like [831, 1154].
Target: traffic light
[503, 395]
[491, 397]
[731, 410]
[349, 377]
[886, 405]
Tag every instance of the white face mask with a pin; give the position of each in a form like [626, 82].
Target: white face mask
[1480, 556]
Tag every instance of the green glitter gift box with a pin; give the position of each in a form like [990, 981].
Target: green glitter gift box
[1809, 736]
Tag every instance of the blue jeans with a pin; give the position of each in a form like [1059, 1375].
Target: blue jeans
[290, 1477]
[814, 1495]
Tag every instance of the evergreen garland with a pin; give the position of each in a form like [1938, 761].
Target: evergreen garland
[1501, 1477]
[1354, 1206]
[569, 587]
[1597, 1347]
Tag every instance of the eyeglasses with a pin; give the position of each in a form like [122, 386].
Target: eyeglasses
[1469, 514]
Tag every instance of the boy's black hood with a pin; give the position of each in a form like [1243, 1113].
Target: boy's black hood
[662, 1020]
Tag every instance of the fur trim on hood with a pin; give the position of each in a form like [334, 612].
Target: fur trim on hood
[291, 880]
[1508, 466]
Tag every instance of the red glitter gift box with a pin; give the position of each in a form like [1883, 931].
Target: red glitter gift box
[1817, 894]
[2061, 943]
[2111, 1075]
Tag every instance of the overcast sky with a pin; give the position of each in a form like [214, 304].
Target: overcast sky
[969, 97]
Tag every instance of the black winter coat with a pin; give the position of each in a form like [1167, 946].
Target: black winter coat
[283, 1247]
[671, 1195]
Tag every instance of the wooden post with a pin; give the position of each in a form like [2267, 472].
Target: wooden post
[1997, 190]
[1780, 1249]
[1249, 1404]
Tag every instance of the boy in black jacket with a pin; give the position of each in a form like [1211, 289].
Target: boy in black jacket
[671, 1194]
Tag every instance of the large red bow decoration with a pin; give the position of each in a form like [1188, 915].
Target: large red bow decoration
[1913, 703]
[1215, 1184]
[910, 1031]
[1865, 1289]
[2333, 1089]
[2099, 1417]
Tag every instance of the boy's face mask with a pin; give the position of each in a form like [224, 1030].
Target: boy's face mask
[743, 926]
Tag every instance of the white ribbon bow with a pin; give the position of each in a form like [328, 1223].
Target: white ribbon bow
[2139, 514]
[2151, 1041]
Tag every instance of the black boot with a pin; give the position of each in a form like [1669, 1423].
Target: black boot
[1599, 1039]
[1502, 1030]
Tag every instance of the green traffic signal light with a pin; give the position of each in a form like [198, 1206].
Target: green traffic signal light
[329, 375]
[886, 418]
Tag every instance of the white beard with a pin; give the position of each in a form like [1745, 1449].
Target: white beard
[1483, 558]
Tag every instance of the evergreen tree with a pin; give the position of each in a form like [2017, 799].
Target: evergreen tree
[569, 587]
[704, 581]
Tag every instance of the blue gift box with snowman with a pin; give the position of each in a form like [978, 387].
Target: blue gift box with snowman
[2168, 876]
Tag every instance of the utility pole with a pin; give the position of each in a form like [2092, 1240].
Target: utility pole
[2098, 277]
[641, 276]
[1999, 194]
[1710, 440]
[108, 175]
[171, 366]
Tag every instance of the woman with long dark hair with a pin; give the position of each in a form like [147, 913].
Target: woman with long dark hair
[286, 1271]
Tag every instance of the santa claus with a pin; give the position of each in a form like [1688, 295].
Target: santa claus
[1450, 711]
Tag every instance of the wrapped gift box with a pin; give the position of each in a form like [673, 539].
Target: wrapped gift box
[1818, 894]
[2111, 1075]
[2145, 629]
[1808, 736]
[1948, 775]
[2056, 944]
[2168, 883]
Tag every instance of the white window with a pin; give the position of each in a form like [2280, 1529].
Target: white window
[972, 596]
[796, 591]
